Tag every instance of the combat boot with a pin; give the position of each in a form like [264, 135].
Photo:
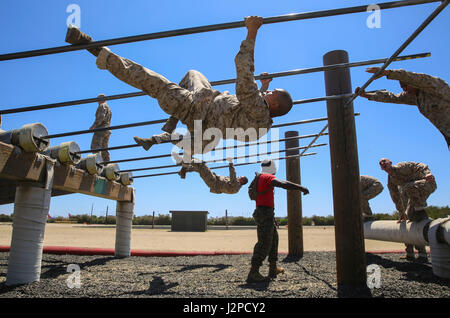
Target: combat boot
[75, 36]
[254, 276]
[146, 143]
[185, 167]
[170, 124]
[275, 270]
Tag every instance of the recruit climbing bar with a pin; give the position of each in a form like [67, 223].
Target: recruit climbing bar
[220, 167]
[215, 149]
[208, 28]
[411, 38]
[223, 159]
[214, 83]
[427, 21]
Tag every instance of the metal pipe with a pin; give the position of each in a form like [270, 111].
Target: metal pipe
[207, 28]
[220, 167]
[220, 160]
[215, 149]
[144, 123]
[434, 233]
[214, 83]
[88, 131]
[391, 231]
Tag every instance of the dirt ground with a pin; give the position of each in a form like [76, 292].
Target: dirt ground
[236, 239]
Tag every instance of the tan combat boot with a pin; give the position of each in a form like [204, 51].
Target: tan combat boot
[146, 143]
[170, 124]
[75, 36]
[275, 270]
[254, 276]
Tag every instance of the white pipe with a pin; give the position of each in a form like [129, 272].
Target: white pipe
[445, 230]
[31, 208]
[124, 220]
[440, 251]
[391, 231]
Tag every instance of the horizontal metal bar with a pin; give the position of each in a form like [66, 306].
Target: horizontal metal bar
[222, 159]
[220, 167]
[331, 97]
[88, 131]
[214, 83]
[215, 149]
[208, 28]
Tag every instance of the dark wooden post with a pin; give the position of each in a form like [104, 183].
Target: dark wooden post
[350, 253]
[226, 219]
[294, 200]
[153, 220]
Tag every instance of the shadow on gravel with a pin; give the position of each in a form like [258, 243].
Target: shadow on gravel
[316, 277]
[422, 273]
[59, 268]
[219, 267]
[263, 286]
[291, 259]
[157, 287]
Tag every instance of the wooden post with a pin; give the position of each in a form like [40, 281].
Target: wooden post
[350, 253]
[153, 220]
[226, 219]
[294, 200]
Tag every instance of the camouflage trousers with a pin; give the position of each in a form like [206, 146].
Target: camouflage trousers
[173, 99]
[367, 195]
[101, 140]
[414, 196]
[410, 250]
[209, 177]
[267, 244]
[193, 80]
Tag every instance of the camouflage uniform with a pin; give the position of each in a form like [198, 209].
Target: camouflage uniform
[218, 184]
[410, 191]
[101, 138]
[267, 244]
[370, 188]
[433, 98]
[246, 109]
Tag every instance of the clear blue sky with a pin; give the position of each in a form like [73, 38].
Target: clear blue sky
[398, 132]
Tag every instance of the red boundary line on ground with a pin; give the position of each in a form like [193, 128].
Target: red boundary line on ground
[61, 250]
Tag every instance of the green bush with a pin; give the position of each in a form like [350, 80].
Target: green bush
[5, 218]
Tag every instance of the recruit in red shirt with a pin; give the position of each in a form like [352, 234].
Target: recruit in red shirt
[265, 199]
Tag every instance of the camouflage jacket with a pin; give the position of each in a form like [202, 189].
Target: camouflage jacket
[368, 183]
[102, 116]
[246, 109]
[433, 98]
[217, 183]
[402, 174]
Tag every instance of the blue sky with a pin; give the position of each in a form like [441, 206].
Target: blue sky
[398, 132]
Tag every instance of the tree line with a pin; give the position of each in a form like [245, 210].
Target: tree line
[434, 212]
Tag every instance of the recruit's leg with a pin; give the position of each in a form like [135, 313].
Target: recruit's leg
[193, 80]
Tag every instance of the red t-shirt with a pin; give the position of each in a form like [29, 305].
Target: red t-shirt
[265, 199]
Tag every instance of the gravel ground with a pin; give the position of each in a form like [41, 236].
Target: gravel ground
[313, 276]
